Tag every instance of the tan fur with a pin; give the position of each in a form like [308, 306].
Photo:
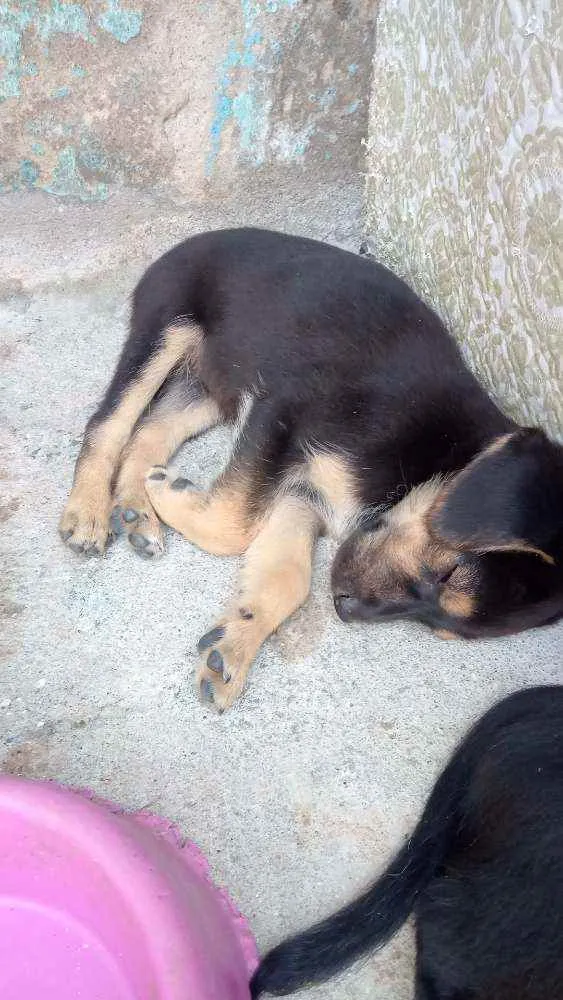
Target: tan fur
[332, 474]
[109, 439]
[407, 546]
[415, 505]
[414, 548]
[276, 574]
[403, 550]
[218, 521]
[403, 545]
[274, 581]
[443, 633]
[457, 603]
[89, 505]
[157, 439]
[491, 449]
[517, 545]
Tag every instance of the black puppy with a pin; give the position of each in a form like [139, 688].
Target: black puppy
[355, 413]
[482, 873]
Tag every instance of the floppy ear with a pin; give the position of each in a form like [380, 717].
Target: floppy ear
[510, 497]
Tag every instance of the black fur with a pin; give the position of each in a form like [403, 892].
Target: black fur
[480, 510]
[482, 873]
[333, 346]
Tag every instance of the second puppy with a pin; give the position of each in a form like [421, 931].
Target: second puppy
[482, 873]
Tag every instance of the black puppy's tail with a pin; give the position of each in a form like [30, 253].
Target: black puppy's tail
[370, 921]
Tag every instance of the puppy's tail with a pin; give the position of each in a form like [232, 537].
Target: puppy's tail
[366, 924]
[370, 921]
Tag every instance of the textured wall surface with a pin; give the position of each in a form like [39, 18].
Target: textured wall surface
[465, 181]
[179, 96]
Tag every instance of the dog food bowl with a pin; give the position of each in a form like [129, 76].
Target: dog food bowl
[96, 904]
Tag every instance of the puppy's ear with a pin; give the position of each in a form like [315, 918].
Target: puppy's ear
[510, 497]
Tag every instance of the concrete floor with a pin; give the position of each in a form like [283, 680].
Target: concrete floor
[297, 796]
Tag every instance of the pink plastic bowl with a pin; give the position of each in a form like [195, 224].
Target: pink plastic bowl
[100, 905]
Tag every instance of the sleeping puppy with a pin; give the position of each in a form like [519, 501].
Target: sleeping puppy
[482, 873]
[355, 414]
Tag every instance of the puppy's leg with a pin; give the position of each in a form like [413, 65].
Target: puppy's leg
[220, 521]
[183, 411]
[225, 520]
[274, 582]
[147, 359]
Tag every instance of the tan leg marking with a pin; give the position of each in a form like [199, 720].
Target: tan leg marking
[443, 633]
[156, 440]
[274, 582]
[218, 521]
[333, 476]
[84, 524]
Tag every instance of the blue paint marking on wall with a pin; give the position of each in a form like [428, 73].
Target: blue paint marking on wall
[123, 24]
[61, 19]
[327, 98]
[29, 173]
[13, 22]
[249, 108]
[45, 21]
[57, 19]
[242, 97]
[67, 180]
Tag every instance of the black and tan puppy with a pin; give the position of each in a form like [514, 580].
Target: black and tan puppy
[356, 414]
[482, 873]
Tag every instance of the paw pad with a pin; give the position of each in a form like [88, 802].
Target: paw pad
[215, 661]
[210, 638]
[181, 484]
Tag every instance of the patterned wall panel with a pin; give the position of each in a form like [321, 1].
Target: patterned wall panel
[465, 178]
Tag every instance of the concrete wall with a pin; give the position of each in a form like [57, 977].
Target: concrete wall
[181, 96]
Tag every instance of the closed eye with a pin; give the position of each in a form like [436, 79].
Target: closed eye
[428, 582]
[445, 577]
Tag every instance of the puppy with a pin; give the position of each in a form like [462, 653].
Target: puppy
[355, 414]
[482, 873]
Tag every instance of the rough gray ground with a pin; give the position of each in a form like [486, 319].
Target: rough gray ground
[297, 796]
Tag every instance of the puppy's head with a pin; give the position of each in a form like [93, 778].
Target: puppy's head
[478, 555]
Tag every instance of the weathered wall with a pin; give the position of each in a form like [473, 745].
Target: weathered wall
[180, 95]
[465, 181]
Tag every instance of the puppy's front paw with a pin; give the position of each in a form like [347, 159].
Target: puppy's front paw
[85, 523]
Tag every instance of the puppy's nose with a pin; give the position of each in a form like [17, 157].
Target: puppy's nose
[346, 607]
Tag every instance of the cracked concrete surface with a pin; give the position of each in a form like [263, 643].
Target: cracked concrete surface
[299, 794]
